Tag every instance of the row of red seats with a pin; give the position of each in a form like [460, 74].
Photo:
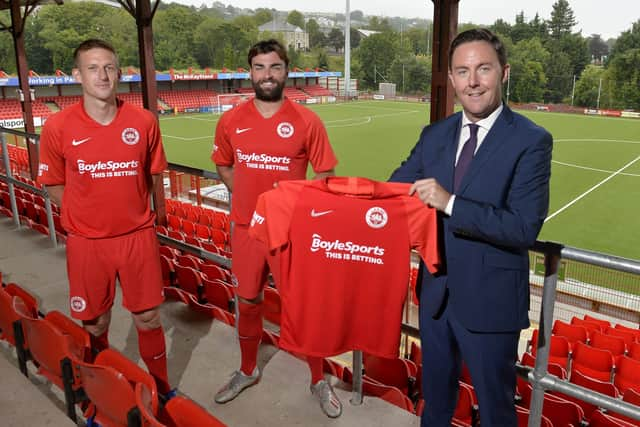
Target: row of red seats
[196, 214]
[195, 229]
[111, 389]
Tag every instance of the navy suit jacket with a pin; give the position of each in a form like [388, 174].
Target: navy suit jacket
[498, 212]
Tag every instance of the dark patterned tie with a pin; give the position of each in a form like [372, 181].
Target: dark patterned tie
[466, 155]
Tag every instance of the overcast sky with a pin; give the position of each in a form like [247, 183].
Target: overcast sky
[607, 18]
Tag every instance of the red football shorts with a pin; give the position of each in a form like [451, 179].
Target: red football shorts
[251, 262]
[94, 264]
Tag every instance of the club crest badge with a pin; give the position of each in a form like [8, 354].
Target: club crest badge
[285, 130]
[130, 136]
[376, 217]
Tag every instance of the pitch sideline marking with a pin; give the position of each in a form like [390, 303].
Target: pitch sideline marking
[618, 172]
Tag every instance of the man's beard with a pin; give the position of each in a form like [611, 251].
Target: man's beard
[273, 95]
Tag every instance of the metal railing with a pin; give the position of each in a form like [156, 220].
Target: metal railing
[553, 254]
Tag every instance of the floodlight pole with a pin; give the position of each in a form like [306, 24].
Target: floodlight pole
[347, 51]
[573, 89]
[599, 90]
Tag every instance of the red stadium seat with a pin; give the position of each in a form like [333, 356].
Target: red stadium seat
[178, 412]
[573, 333]
[604, 323]
[415, 353]
[634, 351]
[387, 393]
[392, 372]
[217, 293]
[52, 343]
[174, 222]
[214, 272]
[602, 341]
[634, 331]
[168, 271]
[8, 315]
[109, 384]
[203, 232]
[628, 337]
[627, 375]
[523, 418]
[589, 325]
[558, 351]
[552, 368]
[189, 261]
[189, 280]
[204, 219]
[189, 227]
[465, 412]
[169, 252]
[598, 419]
[633, 397]
[606, 388]
[592, 362]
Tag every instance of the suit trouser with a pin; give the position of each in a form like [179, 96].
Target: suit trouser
[490, 358]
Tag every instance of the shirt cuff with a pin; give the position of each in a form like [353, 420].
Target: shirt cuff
[449, 208]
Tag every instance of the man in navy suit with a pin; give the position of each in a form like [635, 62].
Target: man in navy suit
[492, 199]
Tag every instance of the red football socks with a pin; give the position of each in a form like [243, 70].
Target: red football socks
[154, 353]
[315, 366]
[249, 333]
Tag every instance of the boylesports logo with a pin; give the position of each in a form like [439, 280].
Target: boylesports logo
[376, 217]
[261, 158]
[318, 243]
[77, 304]
[130, 136]
[285, 130]
[108, 166]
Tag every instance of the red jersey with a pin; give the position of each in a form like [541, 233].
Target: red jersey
[345, 254]
[106, 169]
[265, 151]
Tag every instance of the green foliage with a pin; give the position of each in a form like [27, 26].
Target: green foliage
[586, 93]
[296, 18]
[562, 19]
[316, 36]
[335, 39]
[373, 53]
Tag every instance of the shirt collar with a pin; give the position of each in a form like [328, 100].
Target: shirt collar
[485, 123]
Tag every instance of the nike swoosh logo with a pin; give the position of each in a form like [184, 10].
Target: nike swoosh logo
[239, 131]
[315, 214]
[81, 141]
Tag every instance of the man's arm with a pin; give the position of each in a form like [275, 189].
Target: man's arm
[55, 193]
[226, 175]
[154, 182]
[322, 175]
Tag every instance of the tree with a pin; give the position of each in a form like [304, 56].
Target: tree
[501, 26]
[562, 19]
[598, 48]
[559, 75]
[296, 18]
[377, 24]
[354, 37]
[263, 16]
[528, 79]
[335, 39]
[357, 15]
[174, 36]
[586, 93]
[416, 39]
[316, 36]
[411, 73]
[373, 55]
[230, 48]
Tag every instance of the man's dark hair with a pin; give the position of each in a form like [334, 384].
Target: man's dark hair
[482, 35]
[92, 44]
[268, 46]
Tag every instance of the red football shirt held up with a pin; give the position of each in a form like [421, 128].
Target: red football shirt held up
[345, 253]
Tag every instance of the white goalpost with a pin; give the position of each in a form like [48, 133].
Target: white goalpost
[229, 100]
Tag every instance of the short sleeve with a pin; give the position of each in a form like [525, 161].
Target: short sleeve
[272, 216]
[157, 155]
[321, 155]
[51, 169]
[423, 232]
[222, 150]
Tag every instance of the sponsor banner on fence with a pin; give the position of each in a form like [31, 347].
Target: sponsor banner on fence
[591, 112]
[632, 114]
[378, 97]
[19, 123]
[610, 113]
